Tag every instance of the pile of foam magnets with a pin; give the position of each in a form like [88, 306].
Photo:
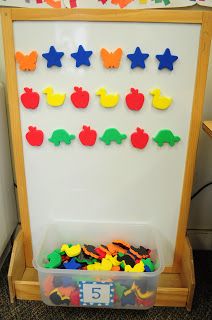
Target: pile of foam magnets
[116, 256]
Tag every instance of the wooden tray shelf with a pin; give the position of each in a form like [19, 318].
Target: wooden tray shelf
[174, 289]
[207, 127]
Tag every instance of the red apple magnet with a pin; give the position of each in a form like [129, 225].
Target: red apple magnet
[80, 98]
[134, 99]
[139, 138]
[34, 136]
[30, 99]
[88, 136]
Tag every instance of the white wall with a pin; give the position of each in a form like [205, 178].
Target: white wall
[200, 222]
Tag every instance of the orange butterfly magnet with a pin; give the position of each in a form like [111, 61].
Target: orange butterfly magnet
[27, 62]
[111, 59]
[121, 3]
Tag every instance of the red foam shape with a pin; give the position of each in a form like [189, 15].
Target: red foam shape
[80, 98]
[75, 298]
[134, 99]
[30, 99]
[88, 136]
[139, 138]
[100, 253]
[34, 137]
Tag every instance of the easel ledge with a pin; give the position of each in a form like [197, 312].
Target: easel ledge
[174, 289]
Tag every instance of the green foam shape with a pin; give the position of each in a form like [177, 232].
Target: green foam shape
[148, 262]
[166, 136]
[61, 135]
[112, 135]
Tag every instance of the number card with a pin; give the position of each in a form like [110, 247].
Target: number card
[96, 293]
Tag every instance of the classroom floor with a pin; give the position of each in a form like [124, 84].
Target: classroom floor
[28, 310]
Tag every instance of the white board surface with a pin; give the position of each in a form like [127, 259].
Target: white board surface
[118, 182]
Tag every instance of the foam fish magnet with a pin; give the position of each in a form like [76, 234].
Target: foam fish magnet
[27, 62]
[111, 59]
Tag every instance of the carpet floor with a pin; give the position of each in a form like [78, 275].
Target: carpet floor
[33, 310]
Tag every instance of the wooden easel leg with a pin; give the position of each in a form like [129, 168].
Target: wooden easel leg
[17, 264]
[188, 274]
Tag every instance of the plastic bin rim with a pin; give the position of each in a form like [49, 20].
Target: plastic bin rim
[91, 272]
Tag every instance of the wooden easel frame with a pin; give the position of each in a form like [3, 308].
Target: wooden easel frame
[203, 18]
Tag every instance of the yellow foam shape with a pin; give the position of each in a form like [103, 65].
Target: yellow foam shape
[145, 295]
[139, 267]
[71, 252]
[159, 101]
[107, 100]
[106, 265]
[94, 267]
[54, 99]
[113, 260]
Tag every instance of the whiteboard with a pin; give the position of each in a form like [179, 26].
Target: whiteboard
[117, 182]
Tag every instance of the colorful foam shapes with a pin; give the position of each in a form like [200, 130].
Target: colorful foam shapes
[27, 62]
[80, 98]
[115, 249]
[30, 99]
[160, 102]
[111, 59]
[122, 3]
[107, 100]
[127, 259]
[139, 138]
[53, 57]
[54, 99]
[57, 299]
[82, 57]
[113, 260]
[72, 264]
[166, 60]
[134, 99]
[112, 134]
[61, 135]
[105, 265]
[166, 136]
[89, 250]
[139, 267]
[121, 244]
[82, 258]
[138, 59]
[128, 299]
[148, 262]
[55, 260]
[34, 136]
[88, 136]
[72, 251]
[139, 252]
[119, 289]
[66, 291]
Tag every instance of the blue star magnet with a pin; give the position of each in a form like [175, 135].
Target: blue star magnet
[53, 57]
[82, 57]
[138, 58]
[166, 60]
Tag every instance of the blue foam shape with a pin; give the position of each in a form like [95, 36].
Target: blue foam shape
[138, 58]
[72, 264]
[166, 60]
[82, 57]
[53, 57]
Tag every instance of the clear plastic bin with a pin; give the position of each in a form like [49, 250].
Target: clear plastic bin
[113, 289]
